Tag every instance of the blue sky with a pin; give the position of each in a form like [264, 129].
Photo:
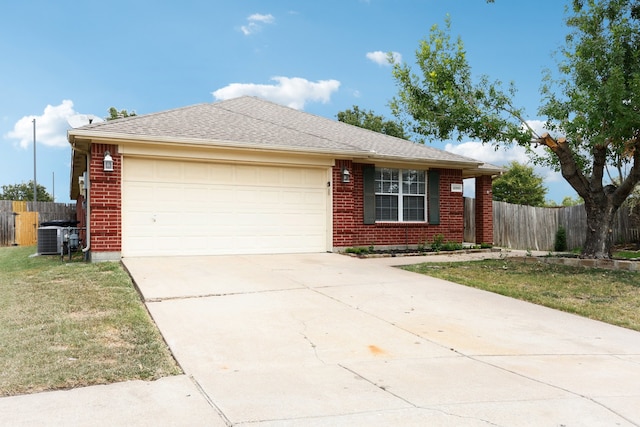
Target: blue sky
[65, 58]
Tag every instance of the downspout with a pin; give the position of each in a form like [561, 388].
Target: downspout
[87, 186]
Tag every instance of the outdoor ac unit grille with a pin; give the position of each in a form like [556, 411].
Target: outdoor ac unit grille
[48, 240]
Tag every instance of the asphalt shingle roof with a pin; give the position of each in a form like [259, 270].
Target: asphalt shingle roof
[256, 123]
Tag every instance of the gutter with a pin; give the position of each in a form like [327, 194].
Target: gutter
[356, 154]
[87, 186]
[119, 138]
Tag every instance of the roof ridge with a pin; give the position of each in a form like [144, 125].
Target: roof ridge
[351, 127]
[121, 120]
[261, 119]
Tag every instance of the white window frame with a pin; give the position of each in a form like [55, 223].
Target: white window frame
[399, 194]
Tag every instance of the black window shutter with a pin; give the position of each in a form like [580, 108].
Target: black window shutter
[433, 196]
[369, 178]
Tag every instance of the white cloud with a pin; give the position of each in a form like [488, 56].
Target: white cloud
[51, 126]
[255, 22]
[382, 58]
[557, 186]
[257, 17]
[293, 92]
[502, 157]
[488, 153]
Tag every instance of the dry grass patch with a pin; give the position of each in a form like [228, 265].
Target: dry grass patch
[606, 295]
[75, 324]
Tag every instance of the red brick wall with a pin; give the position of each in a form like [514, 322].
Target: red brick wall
[105, 200]
[348, 209]
[484, 210]
[348, 214]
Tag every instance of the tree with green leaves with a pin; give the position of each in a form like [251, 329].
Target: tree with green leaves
[370, 120]
[519, 185]
[570, 201]
[592, 108]
[24, 191]
[115, 114]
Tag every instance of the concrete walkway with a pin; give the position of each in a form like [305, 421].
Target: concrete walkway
[325, 339]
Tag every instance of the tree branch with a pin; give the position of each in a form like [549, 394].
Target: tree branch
[568, 166]
[626, 187]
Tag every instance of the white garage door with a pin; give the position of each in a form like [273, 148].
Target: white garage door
[193, 208]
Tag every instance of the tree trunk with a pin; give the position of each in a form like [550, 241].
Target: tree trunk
[599, 231]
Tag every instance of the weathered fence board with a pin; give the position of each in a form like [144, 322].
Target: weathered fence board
[469, 220]
[26, 228]
[21, 229]
[527, 227]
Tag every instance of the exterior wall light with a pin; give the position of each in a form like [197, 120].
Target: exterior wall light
[107, 162]
[346, 176]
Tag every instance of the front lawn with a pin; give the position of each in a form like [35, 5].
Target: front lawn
[65, 325]
[606, 295]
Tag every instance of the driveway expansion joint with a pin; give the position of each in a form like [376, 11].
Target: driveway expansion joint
[216, 295]
[381, 387]
[210, 401]
[548, 384]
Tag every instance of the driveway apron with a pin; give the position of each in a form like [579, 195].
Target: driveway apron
[325, 339]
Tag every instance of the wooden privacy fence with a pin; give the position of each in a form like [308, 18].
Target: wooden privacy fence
[19, 220]
[469, 219]
[528, 227]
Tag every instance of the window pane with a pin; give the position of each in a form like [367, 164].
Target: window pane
[413, 182]
[387, 181]
[413, 208]
[386, 208]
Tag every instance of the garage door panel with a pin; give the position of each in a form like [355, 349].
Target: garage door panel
[219, 172]
[197, 172]
[169, 172]
[175, 208]
[142, 172]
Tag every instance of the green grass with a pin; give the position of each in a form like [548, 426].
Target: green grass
[72, 324]
[606, 295]
[627, 254]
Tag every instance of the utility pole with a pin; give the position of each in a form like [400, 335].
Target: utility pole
[35, 187]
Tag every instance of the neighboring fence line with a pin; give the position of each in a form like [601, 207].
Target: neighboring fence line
[527, 227]
[469, 219]
[47, 211]
[514, 226]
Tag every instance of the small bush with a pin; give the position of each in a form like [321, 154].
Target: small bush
[357, 250]
[438, 242]
[452, 246]
[561, 240]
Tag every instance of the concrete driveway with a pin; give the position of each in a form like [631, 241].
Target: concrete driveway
[324, 339]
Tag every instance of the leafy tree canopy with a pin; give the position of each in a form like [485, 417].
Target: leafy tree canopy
[371, 121]
[519, 185]
[115, 114]
[24, 191]
[570, 201]
[594, 104]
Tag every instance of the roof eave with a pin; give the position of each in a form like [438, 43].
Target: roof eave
[81, 139]
[117, 138]
[454, 164]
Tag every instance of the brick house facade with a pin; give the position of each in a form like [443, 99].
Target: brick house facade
[350, 222]
[349, 228]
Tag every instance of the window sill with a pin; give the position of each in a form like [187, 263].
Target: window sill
[402, 223]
